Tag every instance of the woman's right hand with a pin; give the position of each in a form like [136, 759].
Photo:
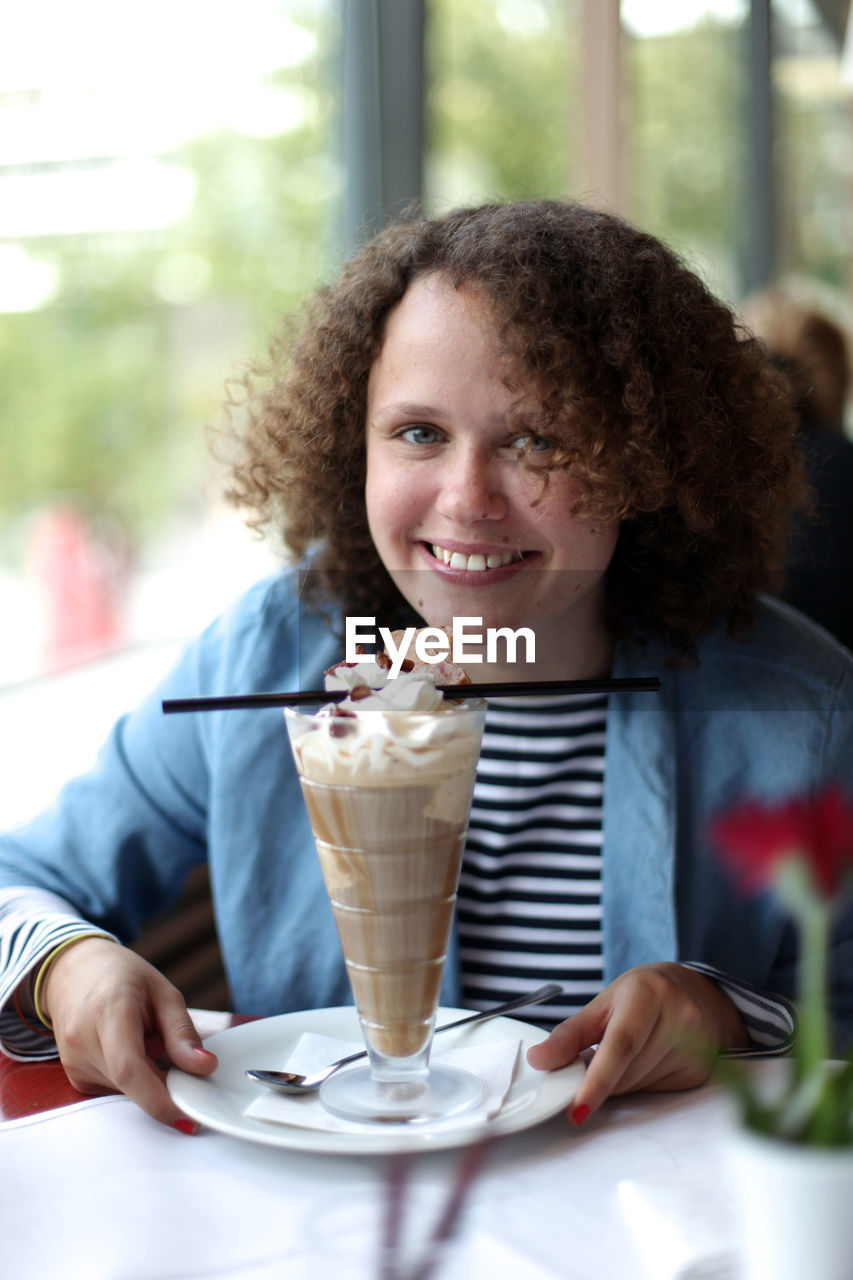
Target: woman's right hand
[103, 1000]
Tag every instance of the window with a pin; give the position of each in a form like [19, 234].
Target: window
[169, 186]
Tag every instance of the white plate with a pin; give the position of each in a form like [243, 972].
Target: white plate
[219, 1101]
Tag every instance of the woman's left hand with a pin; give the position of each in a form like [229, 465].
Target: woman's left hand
[648, 1026]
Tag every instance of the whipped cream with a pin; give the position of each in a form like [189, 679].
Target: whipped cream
[409, 691]
[385, 731]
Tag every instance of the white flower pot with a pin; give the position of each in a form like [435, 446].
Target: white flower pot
[794, 1206]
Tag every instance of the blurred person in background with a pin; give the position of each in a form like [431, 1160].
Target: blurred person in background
[814, 353]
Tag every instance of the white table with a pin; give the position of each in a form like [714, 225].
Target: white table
[98, 1191]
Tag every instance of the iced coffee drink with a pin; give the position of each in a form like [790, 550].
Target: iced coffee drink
[387, 778]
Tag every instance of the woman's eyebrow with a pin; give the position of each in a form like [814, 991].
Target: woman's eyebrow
[405, 409]
[532, 420]
[418, 412]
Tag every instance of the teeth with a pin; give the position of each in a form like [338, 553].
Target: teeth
[472, 564]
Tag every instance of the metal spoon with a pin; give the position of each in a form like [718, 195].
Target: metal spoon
[292, 1082]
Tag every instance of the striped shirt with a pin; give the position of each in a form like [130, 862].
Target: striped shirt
[529, 903]
[33, 922]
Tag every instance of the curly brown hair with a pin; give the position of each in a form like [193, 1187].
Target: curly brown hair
[662, 406]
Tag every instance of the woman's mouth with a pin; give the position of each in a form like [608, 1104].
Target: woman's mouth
[475, 562]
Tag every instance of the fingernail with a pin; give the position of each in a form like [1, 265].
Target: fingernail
[198, 1048]
[578, 1114]
[186, 1126]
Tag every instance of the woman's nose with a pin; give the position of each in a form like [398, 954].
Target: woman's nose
[470, 490]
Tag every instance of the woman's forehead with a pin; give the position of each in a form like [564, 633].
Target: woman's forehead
[436, 291]
[435, 320]
[439, 319]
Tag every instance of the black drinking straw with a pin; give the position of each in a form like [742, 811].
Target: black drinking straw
[513, 689]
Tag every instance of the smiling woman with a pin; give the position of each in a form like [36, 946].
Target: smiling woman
[565, 376]
[532, 414]
[456, 504]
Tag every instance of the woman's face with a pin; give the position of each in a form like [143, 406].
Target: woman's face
[462, 521]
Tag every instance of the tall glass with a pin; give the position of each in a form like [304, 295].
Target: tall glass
[388, 794]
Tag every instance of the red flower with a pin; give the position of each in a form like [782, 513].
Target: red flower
[754, 838]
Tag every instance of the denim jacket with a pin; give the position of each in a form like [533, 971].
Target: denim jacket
[765, 716]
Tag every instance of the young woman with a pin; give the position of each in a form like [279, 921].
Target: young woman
[534, 415]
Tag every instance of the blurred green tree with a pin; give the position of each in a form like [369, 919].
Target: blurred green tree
[105, 390]
[684, 109]
[502, 99]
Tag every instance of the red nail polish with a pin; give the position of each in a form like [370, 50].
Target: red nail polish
[198, 1048]
[186, 1126]
[578, 1114]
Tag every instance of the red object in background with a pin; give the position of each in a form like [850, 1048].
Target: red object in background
[754, 838]
[81, 581]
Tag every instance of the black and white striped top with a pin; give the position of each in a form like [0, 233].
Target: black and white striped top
[33, 923]
[529, 904]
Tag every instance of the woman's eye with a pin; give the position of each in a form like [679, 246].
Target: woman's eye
[532, 443]
[420, 435]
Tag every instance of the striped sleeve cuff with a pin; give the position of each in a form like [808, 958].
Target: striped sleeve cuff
[770, 1019]
[33, 923]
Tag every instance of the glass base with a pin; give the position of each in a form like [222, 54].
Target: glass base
[355, 1094]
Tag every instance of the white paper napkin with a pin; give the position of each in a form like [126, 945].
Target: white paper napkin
[683, 1225]
[495, 1064]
